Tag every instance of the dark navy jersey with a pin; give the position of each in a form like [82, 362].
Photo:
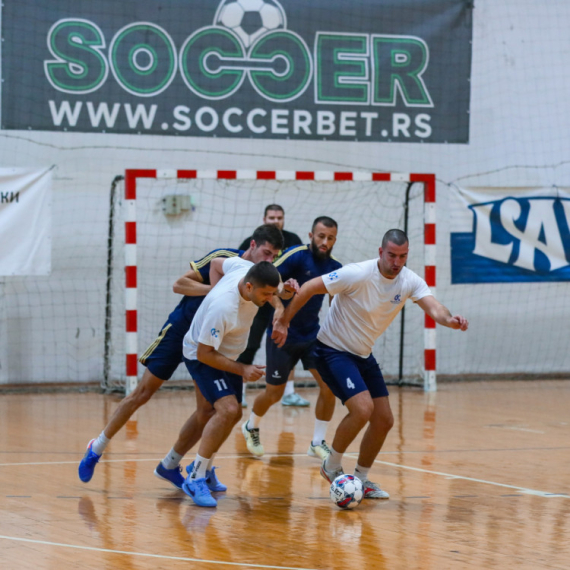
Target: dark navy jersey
[299, 262]
[183, 314]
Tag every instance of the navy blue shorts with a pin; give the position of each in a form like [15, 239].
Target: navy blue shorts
[164, 355]
[347, 374]
[213, 383]
[280, 361]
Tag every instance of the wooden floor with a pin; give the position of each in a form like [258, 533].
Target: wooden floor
[478, 476]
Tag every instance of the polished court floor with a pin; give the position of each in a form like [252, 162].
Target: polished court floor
[478, 475]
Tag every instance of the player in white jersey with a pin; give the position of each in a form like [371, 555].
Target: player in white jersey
[217, 336]
[367, 298]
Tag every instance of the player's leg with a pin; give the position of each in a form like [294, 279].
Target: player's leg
[290, 397]
[339, 371]
[279, 363]
[324, 411]
[223, 391]
[381, 422]
[169, 468]
[161, 359]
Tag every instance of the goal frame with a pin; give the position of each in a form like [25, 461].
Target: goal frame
[133, 175]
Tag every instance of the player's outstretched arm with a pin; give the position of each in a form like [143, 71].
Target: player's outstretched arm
[315, 286]
[209, 355]
[441, 314]
[191, 284]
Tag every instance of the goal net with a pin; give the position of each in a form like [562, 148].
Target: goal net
[164, 220]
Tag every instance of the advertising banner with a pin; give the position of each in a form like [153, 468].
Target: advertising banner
[510, 235]
[25, 221]
[389, 70]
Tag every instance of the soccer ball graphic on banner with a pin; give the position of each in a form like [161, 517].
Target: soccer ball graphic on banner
[346, 491]
[250, 19]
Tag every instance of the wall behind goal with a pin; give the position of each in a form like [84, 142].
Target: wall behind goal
[52, 327]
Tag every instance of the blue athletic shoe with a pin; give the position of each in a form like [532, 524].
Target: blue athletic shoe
[214, 483]
[173, 476]
[87, 465]
[197, 490]
[212, 480]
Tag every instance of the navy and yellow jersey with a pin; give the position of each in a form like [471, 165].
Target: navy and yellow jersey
[299, 262]
[183, 314]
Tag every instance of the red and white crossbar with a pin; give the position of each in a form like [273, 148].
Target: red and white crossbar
[131, 177]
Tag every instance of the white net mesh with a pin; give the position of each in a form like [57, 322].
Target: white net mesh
[225, 212]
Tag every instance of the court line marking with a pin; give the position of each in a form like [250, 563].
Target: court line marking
[352, 455]
[147, 555]
[485, 482]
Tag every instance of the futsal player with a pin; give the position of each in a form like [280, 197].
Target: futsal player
[165, 354]
[274, 214]
[217, 336]
[367, 298]
[302, 263]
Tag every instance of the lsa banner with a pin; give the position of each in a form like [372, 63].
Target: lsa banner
[324, 70]
[511, 235]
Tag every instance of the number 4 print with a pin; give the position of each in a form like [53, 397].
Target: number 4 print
[221, 384]
[349, 384]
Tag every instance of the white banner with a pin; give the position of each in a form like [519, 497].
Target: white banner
[25, 221]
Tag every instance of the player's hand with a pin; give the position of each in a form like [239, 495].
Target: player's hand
[279, 334]
[288, 289]
[291, 286]
[458, 322]
[252, 372]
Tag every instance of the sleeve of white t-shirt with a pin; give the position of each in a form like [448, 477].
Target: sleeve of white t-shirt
[233, 263]
[213, 327]
[344, 279]
[418, 287]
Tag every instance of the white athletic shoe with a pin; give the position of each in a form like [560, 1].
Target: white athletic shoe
[321, 450]
[373, 491]
[330, 474]
[252, 440]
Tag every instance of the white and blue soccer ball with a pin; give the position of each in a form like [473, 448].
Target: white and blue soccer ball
[346, 491]
[250, 19]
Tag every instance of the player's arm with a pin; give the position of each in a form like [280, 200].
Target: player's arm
[315, 286]
[209, 355]
[288, 289]
[441, 314]
[191, 284]
[216, 269]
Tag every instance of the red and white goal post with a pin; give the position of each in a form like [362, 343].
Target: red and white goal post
[281, 179]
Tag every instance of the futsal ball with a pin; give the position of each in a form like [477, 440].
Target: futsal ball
[346, 491]
[250, 19]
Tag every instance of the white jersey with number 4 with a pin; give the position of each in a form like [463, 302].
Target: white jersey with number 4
[364, 304]
[224, 318]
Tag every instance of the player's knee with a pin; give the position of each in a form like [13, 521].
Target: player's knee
[363, 410]
[139, 397]
[230, 411]
[204, 415]
[275, 393]
[385, 422]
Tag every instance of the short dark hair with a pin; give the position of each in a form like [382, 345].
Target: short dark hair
[396, 236]
[274, 207]
[263, 274]
[268, 233]
[326, 221]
